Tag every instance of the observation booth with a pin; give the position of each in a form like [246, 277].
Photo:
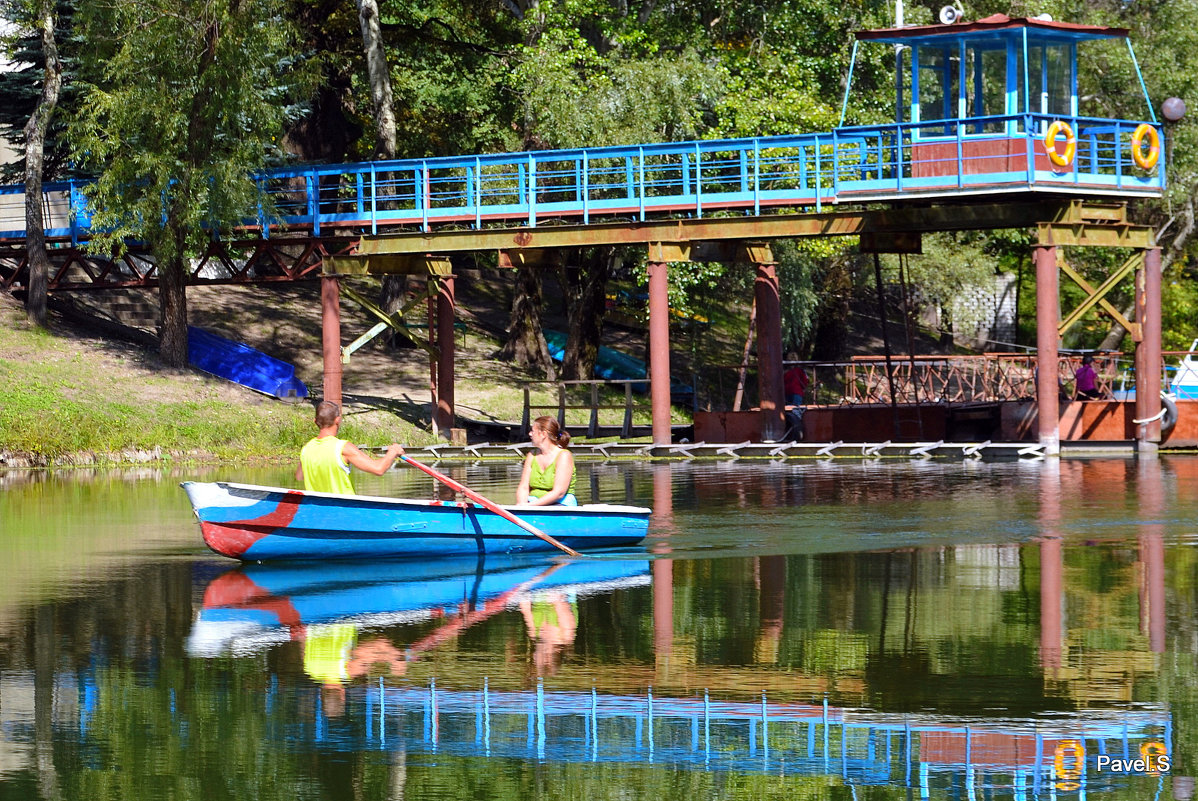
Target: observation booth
[993, 106]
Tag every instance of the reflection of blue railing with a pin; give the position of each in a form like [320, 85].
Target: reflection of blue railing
[940, 158]
[995, 756]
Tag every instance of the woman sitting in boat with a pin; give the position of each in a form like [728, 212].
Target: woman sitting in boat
[325, 460]
[548, 476]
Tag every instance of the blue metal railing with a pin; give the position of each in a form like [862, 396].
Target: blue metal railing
[978, 155]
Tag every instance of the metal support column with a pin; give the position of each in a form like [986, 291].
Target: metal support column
[659, 350]
[444, 414]
[1148, 352]
[769, 353]
[1047, 380]
[330, 330]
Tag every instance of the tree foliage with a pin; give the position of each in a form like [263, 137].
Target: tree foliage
[182, 100]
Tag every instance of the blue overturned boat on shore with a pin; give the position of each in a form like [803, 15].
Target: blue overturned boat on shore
[254, 523]
[243, 365]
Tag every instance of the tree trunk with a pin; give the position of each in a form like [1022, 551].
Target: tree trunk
[392, 294]
[526, 341]
[382, 100]
[586, 288]
[379, 76]
[35, 145]
[172, 300]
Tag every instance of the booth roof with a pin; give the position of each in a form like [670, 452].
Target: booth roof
[994, 22]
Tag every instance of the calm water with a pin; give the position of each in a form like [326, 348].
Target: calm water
[807, 630]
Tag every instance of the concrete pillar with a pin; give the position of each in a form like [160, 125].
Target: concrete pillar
[1048, 385]
[443, 418]
[659, 350]
[330, 333]
[769, 353]
[1148, 352]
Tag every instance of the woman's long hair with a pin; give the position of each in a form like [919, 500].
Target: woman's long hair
[555, 432]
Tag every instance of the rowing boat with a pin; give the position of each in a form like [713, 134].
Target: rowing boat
[255, 523]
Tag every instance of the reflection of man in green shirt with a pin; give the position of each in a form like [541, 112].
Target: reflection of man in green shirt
[325, 460]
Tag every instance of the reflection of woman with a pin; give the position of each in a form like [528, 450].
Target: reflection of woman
[548, 476]
[552, 624]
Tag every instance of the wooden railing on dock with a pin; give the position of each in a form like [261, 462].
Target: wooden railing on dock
[592, 406]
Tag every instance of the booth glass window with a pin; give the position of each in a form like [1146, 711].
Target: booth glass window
[986, 87]
[1050, 78]
[937, 89]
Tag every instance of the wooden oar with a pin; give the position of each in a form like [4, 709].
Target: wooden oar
[489, 505]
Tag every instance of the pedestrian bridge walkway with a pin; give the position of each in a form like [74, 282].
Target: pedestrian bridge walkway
[985, 108]
[919, 161]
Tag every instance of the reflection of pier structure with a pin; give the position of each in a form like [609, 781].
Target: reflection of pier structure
[934, 754]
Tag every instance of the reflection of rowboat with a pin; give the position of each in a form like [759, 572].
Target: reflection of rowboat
[259, 523]
[257, 605]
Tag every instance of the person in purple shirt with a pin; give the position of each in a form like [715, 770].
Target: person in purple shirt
[1086, 378]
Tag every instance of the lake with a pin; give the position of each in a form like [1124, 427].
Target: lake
[805, 629]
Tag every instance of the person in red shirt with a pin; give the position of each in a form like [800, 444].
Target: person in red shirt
[794, 382]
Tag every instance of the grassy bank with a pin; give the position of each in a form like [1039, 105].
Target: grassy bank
[67, 397]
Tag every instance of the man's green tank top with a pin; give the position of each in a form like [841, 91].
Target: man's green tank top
[540, 482]
[324, 469]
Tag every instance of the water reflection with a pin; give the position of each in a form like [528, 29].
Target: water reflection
[824, 631]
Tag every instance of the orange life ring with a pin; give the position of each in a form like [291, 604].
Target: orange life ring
[1145, 162]
[1050, 143]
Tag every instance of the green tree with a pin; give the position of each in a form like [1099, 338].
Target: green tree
[37, 128]
[182, 100]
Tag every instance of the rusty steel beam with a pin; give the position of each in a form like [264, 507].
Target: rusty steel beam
[659, 351]
[1047, 378]
[444, 415]
[769, 352]
[783, 226]
[1081, 234]
[330, 334]
[1148, 352]
[388, 264]
[1098, 296]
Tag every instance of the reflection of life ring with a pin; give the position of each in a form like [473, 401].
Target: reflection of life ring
[1050, 143]
[1152, 753]
[1145, 162]
[1068, 761]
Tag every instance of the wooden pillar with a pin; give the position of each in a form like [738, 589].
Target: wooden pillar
[1148, 352]
[769, 353]
[1047, 318]
[659, 350]
[330, 331]
[444, 415]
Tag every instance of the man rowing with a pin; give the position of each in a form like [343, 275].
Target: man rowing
[325, 461]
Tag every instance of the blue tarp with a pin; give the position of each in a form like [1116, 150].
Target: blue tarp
[242, 364]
